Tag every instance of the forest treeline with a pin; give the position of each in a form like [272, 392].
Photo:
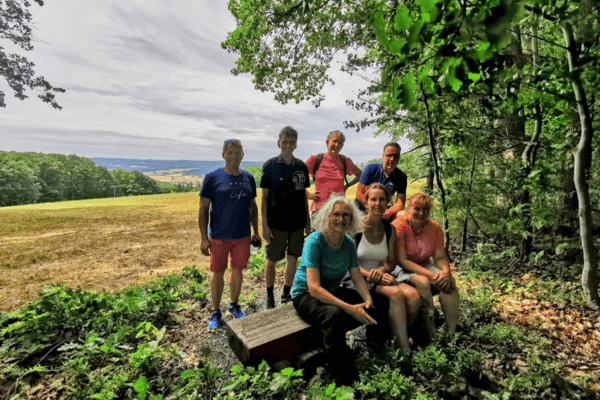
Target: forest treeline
[27, 178]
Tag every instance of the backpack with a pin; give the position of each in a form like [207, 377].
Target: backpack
[318, 164]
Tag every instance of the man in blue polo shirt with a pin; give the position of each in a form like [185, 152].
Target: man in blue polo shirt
[391, 177]
[285, 217]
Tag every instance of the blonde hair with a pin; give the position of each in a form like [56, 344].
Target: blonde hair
[420, 199]
[321, 223]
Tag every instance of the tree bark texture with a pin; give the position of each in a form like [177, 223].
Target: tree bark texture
[583, 162]
[436, 169]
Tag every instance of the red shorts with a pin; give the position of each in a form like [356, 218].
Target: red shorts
[220, 249]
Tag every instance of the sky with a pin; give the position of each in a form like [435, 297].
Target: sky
[149, 80]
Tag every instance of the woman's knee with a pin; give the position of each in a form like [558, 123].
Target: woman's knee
[410, 294]
[421, 283]
[394, 294]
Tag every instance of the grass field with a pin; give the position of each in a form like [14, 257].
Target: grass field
[103, 244]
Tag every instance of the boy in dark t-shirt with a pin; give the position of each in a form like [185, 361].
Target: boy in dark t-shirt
[284, 209]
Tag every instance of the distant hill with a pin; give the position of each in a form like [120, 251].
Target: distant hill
[199, 168]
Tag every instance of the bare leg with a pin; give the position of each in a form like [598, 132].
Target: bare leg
[423, 286]
[413, 302]
[235, 283]
[270, 273]
[397, 315]
[216, 289]
[449, 302]
[291, 263]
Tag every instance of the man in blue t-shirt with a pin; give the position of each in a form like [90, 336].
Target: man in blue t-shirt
[391, 177]
[228, 195]
[285, 217]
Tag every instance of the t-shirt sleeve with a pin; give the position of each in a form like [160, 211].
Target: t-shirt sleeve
[365, 177]
[350, 167]
[207, 189]
[310, 254]
[265, 179]
[310, 163]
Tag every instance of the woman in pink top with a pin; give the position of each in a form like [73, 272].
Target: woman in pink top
[421, 251]
[329, 178]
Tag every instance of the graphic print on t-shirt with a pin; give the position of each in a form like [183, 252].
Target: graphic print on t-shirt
[299, 179]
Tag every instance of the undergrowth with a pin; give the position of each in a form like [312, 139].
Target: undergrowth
[75, 344]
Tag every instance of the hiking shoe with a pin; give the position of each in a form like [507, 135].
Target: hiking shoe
[215, 320]
[235, 310]
[285, 299]
[270, 303]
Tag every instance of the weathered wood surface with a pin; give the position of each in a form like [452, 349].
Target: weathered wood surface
[273, 335]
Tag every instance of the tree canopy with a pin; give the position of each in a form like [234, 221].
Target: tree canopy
[16, 26]
[502, 94]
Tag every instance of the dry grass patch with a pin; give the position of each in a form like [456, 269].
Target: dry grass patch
[104, 244]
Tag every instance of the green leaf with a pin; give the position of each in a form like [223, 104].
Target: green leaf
[407, 95]
[379, 25]
[402, 21]
[428, 10]
[483, 52]
[415, 30]
[397, 45]
[344, 393]
[141, 387]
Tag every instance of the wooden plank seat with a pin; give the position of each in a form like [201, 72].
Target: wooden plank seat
[275, 335]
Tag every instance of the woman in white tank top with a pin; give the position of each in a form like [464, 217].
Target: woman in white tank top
[377, 259]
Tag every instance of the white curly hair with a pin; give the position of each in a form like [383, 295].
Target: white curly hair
[321, 223]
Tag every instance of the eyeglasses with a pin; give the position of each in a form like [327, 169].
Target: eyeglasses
[341, 215]
[393, 155]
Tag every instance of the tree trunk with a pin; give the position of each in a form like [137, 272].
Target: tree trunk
[436, 169]
[528, 159]
[583, 162]
[468, 208]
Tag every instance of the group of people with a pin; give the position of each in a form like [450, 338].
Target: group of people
[366, 262]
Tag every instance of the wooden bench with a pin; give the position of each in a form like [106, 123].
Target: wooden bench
[279, 336]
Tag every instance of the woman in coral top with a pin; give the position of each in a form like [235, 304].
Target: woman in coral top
[421, 251]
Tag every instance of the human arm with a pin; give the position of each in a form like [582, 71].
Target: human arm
[313, 196]
[357, 173]
[307, 226]
[390, 213]
[254, 211]
[267, 234]
[443, 280]
[357, 311]
[203, 224]
[361, 191]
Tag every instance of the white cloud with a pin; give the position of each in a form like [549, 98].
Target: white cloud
[149, 79]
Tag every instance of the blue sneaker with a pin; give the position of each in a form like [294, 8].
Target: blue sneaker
[235, 310]
[215, 320]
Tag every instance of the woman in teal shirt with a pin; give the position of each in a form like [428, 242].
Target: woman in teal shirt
[317, 296]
